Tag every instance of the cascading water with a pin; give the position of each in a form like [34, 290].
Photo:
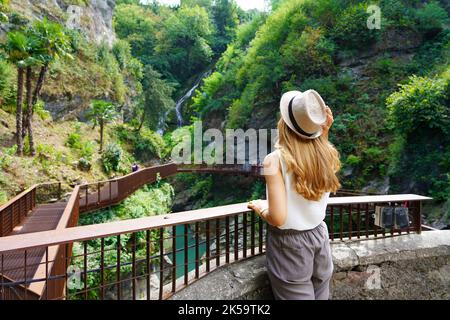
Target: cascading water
[180, 104]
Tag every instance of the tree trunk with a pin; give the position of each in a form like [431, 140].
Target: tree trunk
[39, 84]
[29, 115]
[142, 121]
[19, 139]
[27, 101]
[101, 135]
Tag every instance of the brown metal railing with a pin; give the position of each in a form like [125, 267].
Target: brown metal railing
[17, 209]
[151, 258]
[242, 169]
[102, 194]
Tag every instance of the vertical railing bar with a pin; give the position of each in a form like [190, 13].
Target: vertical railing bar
[119, 247]
[236, 238]
[102, 268]
[252, 233]
[217, 242]
[46, 273]
[2, 279]
[147, 260]
[341, 228]
[66, 247]
[375, 228]
[332, 223]
[227, 239]
[174, 258]
[161, 261]
[110, 190]
[197, 251]
[244, 248]
[350, 221]
[85, 268]
[25, 274]
[186, 256]
[358, 215]
[133, 265]
[367, 220]
[207, 246]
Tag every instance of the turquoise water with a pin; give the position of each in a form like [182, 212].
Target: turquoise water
[191, 251]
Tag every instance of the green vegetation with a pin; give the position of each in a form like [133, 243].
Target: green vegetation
[306, 44]
[147, 201]
[101, 113]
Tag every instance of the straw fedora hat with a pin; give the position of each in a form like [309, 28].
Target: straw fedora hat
[304, 112]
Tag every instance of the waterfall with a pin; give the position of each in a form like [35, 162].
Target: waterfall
[180, 103]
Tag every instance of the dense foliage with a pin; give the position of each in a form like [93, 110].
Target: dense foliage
[326, 45]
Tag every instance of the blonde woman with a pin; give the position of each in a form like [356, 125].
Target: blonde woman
[300, 174]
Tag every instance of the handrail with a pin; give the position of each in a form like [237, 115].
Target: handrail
[89, 232]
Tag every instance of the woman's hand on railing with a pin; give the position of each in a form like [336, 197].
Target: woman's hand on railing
[259, 206]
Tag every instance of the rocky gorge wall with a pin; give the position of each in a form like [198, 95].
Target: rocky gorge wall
[93, 17]
[405, 267]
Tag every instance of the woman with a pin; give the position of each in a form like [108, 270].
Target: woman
[300, 174]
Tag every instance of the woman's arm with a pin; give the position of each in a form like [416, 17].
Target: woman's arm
[276, 193]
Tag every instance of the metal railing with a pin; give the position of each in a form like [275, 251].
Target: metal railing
[17, 209]
[154, 257]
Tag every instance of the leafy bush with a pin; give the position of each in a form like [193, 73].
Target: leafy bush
[39, 109]
[6, 155]
[3, 197]
[421, 103]
[432, 17]
[74, 140]
[6, 81]
[350, 30]
[111, 157]
[353, 160]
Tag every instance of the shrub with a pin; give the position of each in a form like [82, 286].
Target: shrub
[6, 81]
[39, 109]
[111, 157]
[421, 103]
[350, 30]
[432, 17]
[353, 160]
[74, 140]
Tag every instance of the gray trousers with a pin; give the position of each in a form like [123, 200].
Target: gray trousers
[299, 263]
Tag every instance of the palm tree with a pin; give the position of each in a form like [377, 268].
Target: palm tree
[101, 113]
[17, 48]
[48, 42]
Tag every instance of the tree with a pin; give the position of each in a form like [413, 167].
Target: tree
[48, 41]
[157, 97]
[101, 113]
[184, 42]
[226, 20]
[17, 48]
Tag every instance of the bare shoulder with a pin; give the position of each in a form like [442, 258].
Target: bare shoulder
[271, 164]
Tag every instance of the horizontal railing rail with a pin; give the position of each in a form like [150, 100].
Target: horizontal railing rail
[13, 212]
[153, 257]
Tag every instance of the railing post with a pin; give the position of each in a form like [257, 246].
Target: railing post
[418, 216]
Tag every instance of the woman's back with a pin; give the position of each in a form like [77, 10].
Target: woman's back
[302, 214]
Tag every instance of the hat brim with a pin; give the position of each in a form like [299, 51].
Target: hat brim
[285, 113]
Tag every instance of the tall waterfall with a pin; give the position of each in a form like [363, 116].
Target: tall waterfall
[180, 103]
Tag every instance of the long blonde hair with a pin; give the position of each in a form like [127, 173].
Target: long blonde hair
[313, 162]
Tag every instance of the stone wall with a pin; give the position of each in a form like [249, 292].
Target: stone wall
[406, 267]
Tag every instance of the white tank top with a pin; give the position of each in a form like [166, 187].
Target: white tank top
[302, 214]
